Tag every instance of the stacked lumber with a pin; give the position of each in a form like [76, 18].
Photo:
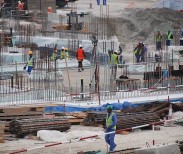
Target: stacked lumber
[160, 108]
[76, 118]
[2, 127]
[9, 113]
[124, 120]
[25, 126]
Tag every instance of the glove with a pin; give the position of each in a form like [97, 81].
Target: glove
[24, 68]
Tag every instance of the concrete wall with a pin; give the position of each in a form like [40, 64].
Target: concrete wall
[42, 5]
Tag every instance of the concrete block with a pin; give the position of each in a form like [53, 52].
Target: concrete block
[160, 149]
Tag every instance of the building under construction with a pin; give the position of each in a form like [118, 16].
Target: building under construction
[57, 83]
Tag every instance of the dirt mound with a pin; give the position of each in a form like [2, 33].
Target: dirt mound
[140, 25]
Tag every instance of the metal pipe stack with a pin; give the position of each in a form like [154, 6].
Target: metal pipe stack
[25, 126]
[124, 120]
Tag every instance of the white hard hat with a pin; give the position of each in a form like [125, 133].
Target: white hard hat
[80, 45]
[63, 48]
[19, 1]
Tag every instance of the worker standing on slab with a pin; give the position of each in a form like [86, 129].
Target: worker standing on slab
[111, 122]
[169, 37]
[137, 52]
[30, 63]
[80, 55]
[54, 55]
[158, 41]
[20, 6]
[114, 64]
[62, 53]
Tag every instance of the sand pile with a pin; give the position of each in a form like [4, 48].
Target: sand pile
[140, 25]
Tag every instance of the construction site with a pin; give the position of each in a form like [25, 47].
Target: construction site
[52, 102]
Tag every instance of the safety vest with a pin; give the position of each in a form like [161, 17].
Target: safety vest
[54, 56]
[158, 38]
[80, 54]
[109, 121]
[168, 36]
[114, 59]
[64, 55]
[30, 62]
[137, 51]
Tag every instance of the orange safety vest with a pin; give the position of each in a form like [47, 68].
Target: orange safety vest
[80, 54]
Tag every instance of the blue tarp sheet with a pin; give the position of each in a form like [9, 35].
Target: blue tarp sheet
[116, 106]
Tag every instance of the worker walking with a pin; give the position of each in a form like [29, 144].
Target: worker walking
[54, 55]
[158, 41]
[169, 37]
[30, 63]
[80, 55]
[111, 122]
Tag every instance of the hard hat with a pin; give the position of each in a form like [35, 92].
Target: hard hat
[19, 1]
[66, 49]
[115, 52]
[80, 45]
[55, 50]
[30, 52]
[63, 48]
[109, 107]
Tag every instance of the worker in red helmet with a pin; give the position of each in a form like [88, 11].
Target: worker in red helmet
[80, 55]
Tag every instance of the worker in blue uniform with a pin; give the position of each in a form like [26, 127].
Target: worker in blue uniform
[111, 121]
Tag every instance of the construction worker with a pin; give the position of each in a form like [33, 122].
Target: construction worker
[80, 55]
[169, 37]
[137, 52]
[54, 55]
[20, 6]
[158, 41]
[114, 63]
[64, 53]
[181, 38]
[111, 122]
[144, 50]
[30, 63]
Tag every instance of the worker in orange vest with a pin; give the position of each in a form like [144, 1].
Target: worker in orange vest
[20, 6]
[80, 55]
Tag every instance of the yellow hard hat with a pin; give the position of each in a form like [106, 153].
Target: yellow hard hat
[30, 52]
[66, 49]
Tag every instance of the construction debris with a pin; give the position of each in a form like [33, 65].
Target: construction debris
[25, 126]
[124, 120]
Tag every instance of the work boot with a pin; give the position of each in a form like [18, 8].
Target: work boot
[79, 70]
[82, 69]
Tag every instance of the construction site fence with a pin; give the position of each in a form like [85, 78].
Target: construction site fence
[28, 91]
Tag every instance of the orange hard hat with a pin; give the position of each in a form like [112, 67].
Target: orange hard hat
[66, 49]
[30, 52]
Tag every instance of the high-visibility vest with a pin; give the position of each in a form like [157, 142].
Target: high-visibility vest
[30, 62]
[137, 51]
[54, 56]
[168, 36]
[109, 121]
[80, 54]
[64, 55]
[114, 59]
[158, 38]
